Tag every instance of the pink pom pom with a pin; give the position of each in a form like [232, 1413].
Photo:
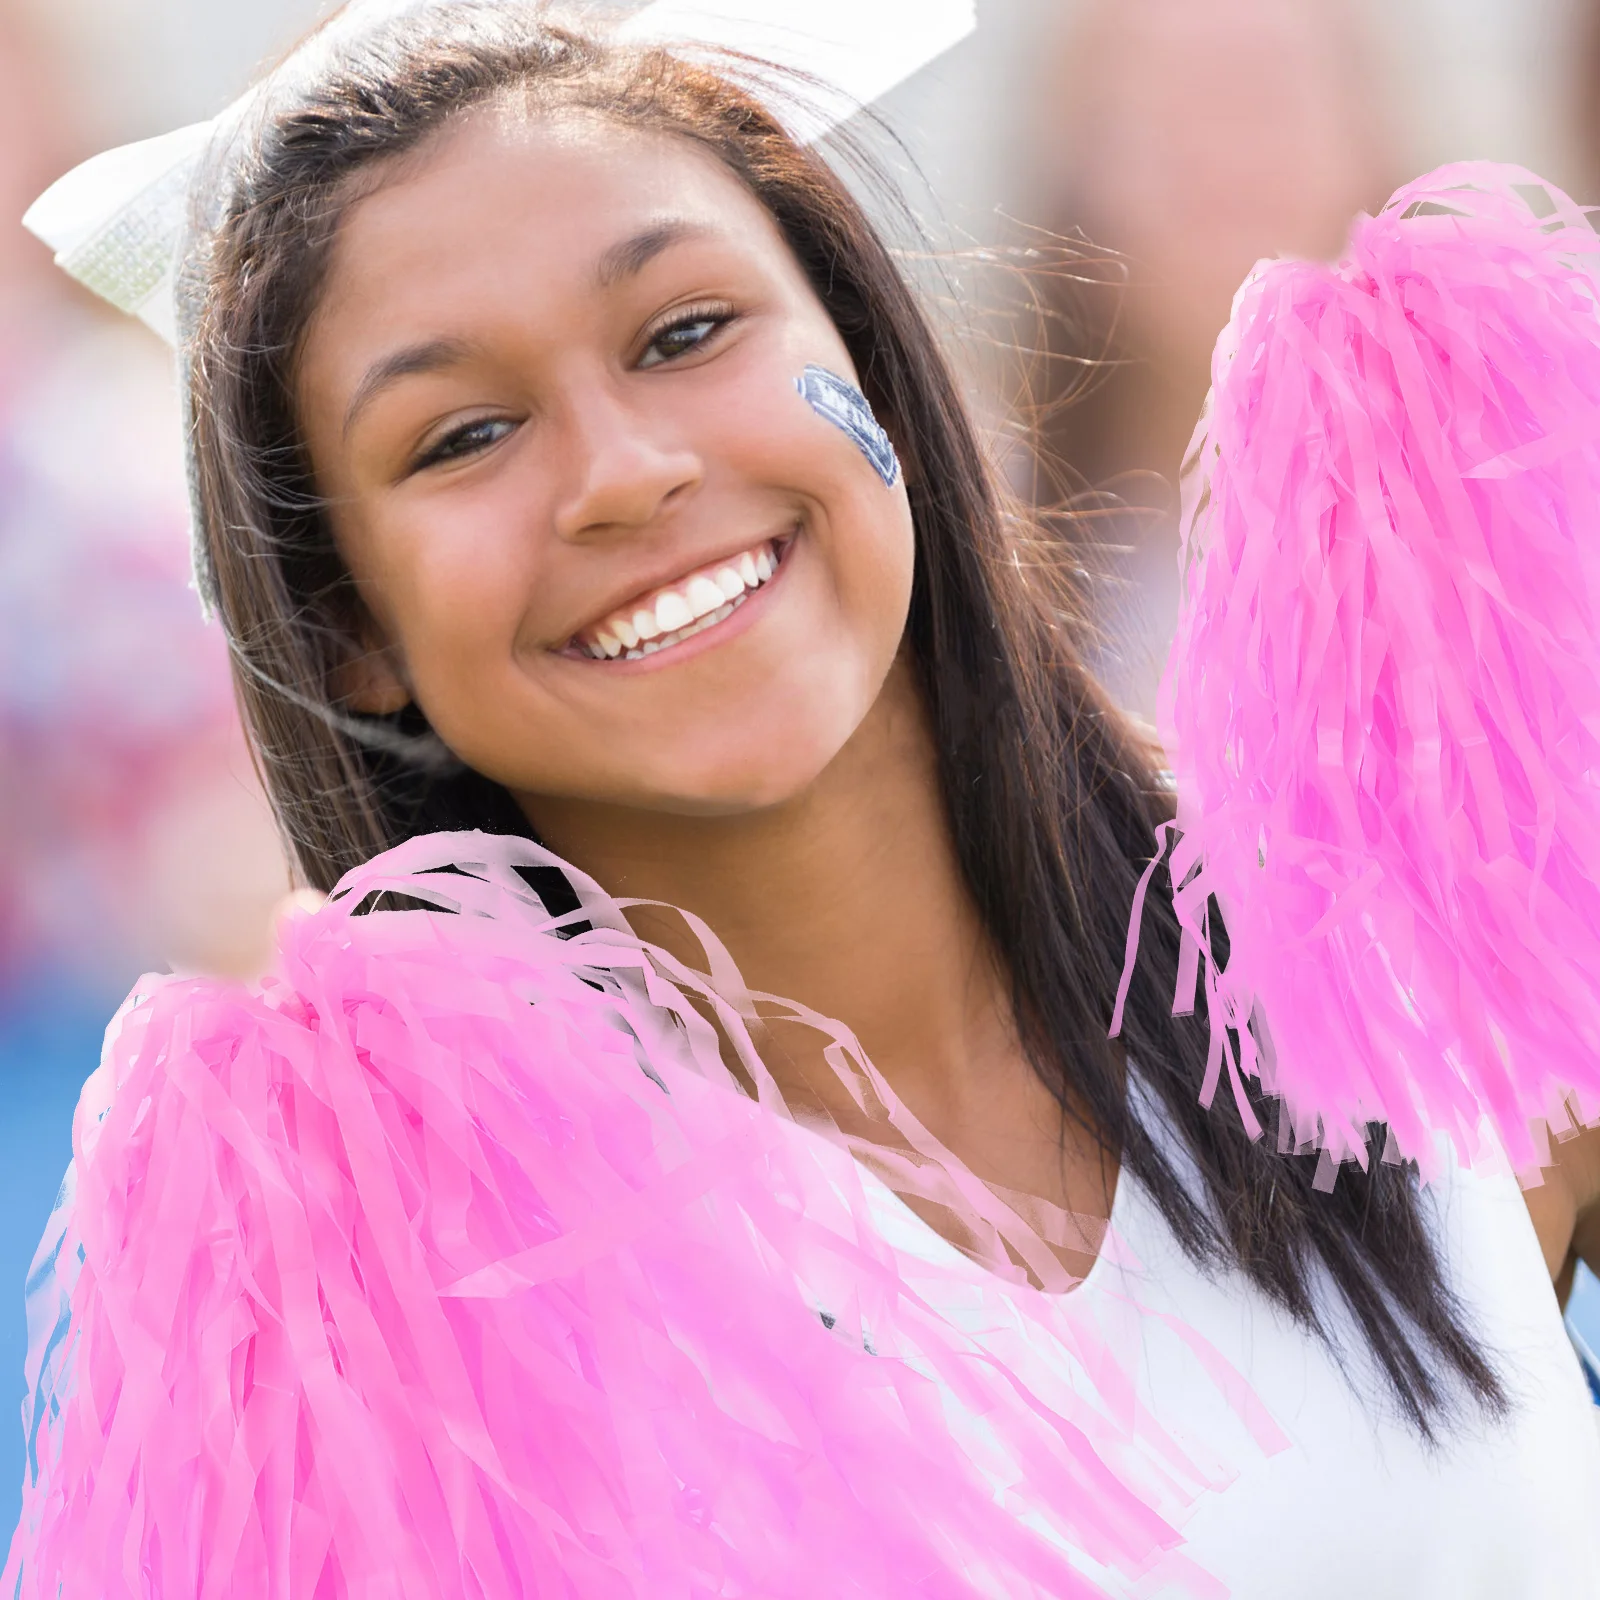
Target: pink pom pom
[1383, 701]
[453, 1263]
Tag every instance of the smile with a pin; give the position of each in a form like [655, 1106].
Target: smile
[678, 611]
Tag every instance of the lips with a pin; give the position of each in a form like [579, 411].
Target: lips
[699, 600]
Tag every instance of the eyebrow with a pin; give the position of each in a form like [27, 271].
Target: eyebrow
[433, 355]
[634, 254]
[622, 260]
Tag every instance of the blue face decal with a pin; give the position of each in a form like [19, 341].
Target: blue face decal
[846, 408]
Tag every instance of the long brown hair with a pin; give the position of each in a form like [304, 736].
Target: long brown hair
[1052, 795]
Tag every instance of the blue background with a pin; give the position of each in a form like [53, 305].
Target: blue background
[50, 1032]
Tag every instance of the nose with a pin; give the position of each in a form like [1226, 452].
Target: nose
[625, 468]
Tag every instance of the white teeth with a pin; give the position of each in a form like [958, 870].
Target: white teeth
[703, 595]
[702, 601]
[672, 612]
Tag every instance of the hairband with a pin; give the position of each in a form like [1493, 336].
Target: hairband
[123, 223]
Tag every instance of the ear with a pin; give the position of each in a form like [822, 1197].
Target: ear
[371, 682]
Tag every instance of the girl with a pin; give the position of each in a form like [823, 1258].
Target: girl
[573, 462]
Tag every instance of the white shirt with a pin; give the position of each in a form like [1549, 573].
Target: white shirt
[1353, 1505]
[1318, 1489]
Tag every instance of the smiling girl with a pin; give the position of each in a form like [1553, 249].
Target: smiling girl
[574, 463]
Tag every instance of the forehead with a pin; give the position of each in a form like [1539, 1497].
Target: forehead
[537, 194]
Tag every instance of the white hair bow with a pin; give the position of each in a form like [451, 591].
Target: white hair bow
[119, 223]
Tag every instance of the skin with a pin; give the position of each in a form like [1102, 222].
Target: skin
[775, 776]
[1565, 1207]
[785, 762]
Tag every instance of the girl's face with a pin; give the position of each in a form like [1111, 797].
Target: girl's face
[550, 394]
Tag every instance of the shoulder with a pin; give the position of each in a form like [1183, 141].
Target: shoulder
[1565, 1205]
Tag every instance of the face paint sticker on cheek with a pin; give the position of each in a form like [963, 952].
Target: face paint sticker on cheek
[846, 408]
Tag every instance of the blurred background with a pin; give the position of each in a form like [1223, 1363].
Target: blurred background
[1184, 138]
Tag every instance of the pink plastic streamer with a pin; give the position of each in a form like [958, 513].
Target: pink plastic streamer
[453, 1261]
[1382, 705]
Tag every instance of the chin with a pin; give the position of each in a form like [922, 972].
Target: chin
[733, 797]
[752, 778]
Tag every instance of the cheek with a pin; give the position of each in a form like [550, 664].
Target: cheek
[843, 406]
[447, 589]
[858, 547]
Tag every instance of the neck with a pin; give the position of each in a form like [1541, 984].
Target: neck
[847, 898]
[850, 900]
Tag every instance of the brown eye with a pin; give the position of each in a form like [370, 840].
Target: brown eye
[683, 336]
[467, 440]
